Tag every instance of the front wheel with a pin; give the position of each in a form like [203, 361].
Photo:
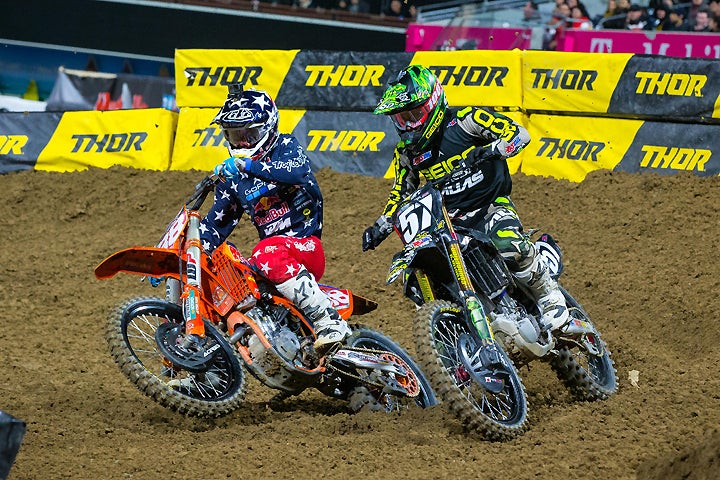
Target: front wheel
[442, 341]
[216, 390]
[588, 375]
[365, 398]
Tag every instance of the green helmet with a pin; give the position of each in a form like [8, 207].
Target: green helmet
[415, 101]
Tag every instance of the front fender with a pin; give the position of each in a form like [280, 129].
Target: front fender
[145, 261]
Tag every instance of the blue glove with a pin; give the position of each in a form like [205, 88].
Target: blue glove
[155, 282]
[231, 167]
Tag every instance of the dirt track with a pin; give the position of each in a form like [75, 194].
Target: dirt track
[640, 253]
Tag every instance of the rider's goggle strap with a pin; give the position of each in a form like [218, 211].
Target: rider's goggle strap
[242, 137]
[412, 119]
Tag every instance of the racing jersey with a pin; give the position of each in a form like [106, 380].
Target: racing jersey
[472, 186]
[280, 194]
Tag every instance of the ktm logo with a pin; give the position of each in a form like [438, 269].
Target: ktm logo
[12, 144]
[346, 140]
[210, 77]
[344, 75]
[570, 149]
[470, 76]
[110, 143]
[675, 158]
[563, 79]
[678, 84]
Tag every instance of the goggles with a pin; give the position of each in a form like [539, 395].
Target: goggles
[412, 119]
[243, 137]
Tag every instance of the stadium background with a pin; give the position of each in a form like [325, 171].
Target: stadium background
[638, 256]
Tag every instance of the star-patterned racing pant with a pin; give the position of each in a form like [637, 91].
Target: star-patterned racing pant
[281, 258]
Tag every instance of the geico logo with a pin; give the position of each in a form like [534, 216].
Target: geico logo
[111, 142]
[680, 84]
[439, 170]
[353, 140]
[207, 76]
[208, 137]
[563, 79]
[470, 76]
[570, 149]
[675, 158]
[12, 144]
[344, 75]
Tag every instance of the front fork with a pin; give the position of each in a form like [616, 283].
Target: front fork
[193, 310]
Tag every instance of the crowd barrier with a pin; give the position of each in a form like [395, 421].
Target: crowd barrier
[584, 112]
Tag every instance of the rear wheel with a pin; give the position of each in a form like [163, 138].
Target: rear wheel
[588, 376]
[216, 390]
[366, 398]
[442, 340]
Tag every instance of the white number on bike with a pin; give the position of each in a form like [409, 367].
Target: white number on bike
[174, 230]
[416, 218]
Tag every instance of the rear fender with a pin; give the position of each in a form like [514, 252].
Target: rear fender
[145, 261]
[347, 303]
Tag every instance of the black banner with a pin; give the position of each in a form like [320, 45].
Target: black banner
[23, 136]
[349, 142]
[667, 88]
[325, 80]
[660, 147]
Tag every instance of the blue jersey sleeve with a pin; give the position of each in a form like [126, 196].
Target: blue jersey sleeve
[222, 217]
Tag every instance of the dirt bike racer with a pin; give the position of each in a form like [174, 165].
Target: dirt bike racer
[468, 147]
[268, 177]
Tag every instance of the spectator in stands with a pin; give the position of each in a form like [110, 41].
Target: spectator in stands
[577, 3]
[578, 19]
[615, 14]
[714, 6]
[306, 3]
[531, 11]
[676, 21]
[701, 23]
[353, 6]
[714, 24]
[555, 25]
[695, 6]
[659, 18]
[402, 9]
[636, 18]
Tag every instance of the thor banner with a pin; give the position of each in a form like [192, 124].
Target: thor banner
[571, 147]
[22, 137]
[130, 138]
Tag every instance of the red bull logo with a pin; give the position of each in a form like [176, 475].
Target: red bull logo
[268, 209]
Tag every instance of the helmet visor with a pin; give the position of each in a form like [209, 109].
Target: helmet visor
[243, 137]
[411, 119]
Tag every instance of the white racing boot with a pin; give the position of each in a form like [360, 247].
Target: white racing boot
[545, 290]
[305, 293]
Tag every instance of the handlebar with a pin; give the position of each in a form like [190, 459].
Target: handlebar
[202, 190]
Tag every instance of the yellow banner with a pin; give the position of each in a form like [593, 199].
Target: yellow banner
[200, 145]
[570, 81]
[571, 147]
[486, 78]
[202, 76]
[139, 138]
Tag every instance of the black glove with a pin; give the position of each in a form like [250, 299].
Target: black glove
[482, 154]
[375, 234]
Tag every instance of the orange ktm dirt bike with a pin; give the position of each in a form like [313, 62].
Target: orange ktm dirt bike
[187, 351]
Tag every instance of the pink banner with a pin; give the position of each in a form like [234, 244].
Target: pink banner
[434, 37]
[671, 44]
